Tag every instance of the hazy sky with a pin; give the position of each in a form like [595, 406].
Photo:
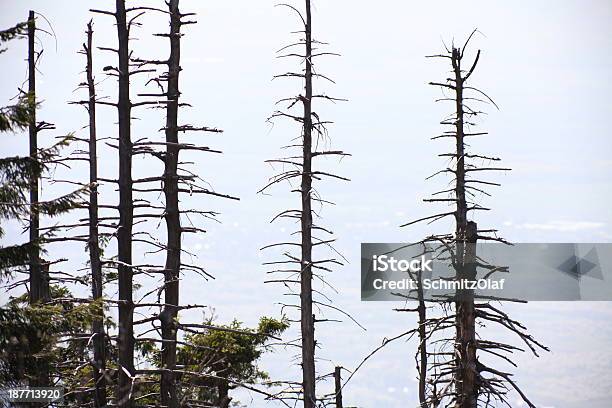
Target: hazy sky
[548, 66]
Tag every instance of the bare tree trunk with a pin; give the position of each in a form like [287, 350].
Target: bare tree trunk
[126, 212]
[173, 220]
[422, 350]
[307, 318]
[39, 282]
[466, 375]
[338, 386]
[35, 269]
[93, 243]
[223, 394]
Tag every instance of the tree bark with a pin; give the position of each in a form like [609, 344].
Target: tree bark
[307, 318]
[126, 211]
[223, 394]
[172, 215]
[422, 350]
[99, 358]
[338, 386]
[35, 269]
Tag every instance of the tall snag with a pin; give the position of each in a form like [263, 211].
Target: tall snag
[451, 374]
[172, 215]
[39, 282]
[125, 340]
[39, 277]
[93, 243]
[177, 179]
[96, 374]
[314, 135]
[306, 316]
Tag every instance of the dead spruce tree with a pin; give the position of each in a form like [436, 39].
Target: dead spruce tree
[98, 337]
[454, 374]
[39, 292]
[303, 267]
[39, 277]
[421, 355]
[125, 338]
[93, 243]
[86, 377]
[31, 318]
[168, 384]
[175, 183]
[177, 179]
[39, 280]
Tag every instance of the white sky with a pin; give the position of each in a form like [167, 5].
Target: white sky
[547, 64]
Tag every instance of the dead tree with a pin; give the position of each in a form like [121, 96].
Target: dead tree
[126, 269]
[307, 317]
[39, 161]
[418, 295]
[313, 136]
[134, 205]
[451, 373]
[125, 339]
[177, 179]
[39, 277]
[168, 384]
[97, 393]
[97, 337]
[39, 283]
[465, 233]
[93, 244]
